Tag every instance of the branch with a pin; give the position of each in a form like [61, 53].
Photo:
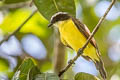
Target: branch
[88, 40]
[14, 5]
[14, 32]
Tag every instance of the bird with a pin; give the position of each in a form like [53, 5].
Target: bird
[74, 34]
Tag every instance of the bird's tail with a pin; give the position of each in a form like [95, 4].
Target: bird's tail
[100, 66]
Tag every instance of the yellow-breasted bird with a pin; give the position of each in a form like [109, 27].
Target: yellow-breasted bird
[74, 34]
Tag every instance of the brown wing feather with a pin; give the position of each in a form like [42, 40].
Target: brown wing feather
[99, 64]
[84, 30]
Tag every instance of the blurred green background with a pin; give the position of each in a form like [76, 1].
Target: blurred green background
[38, 41]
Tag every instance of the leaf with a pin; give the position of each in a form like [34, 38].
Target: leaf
[27, 70]
[13, 1]
[49, 7]
[4, 65]
[47, 76]
[46, 66]
[36, 25]
[113, 70]
[85, 76]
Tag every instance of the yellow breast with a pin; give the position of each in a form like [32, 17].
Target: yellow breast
[71, 34]
[75, 38]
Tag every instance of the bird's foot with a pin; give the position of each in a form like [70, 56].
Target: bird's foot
[71, 62]
[80, 52]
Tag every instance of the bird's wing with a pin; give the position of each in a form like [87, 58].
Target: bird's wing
[99, 64]
[64, 42]
[84, 30]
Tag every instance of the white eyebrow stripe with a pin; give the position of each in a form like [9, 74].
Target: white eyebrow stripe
[57, 14]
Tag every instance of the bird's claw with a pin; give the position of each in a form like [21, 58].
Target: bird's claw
[71, 62]
[80, 52]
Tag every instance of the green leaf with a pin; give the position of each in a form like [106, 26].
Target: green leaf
[113, 70]
[46, 66]
[27, 70]
[13, 1]
[36, 25]
[47, 76]
[49, 7]
[85, 76]
[4, 65]
[33, 72]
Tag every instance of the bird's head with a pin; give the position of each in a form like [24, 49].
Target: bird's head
[60, 16]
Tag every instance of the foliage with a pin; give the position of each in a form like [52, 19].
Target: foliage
[49, 7]
[37, 25]
[28, 70]
[4, 65]
[14, 1]
[85, 76]
[32, 68]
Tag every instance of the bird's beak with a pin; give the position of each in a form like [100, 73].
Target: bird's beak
[49, 25]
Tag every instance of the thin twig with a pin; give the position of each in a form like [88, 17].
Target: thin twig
[88, 40]
[14, 32]
[14, 5]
